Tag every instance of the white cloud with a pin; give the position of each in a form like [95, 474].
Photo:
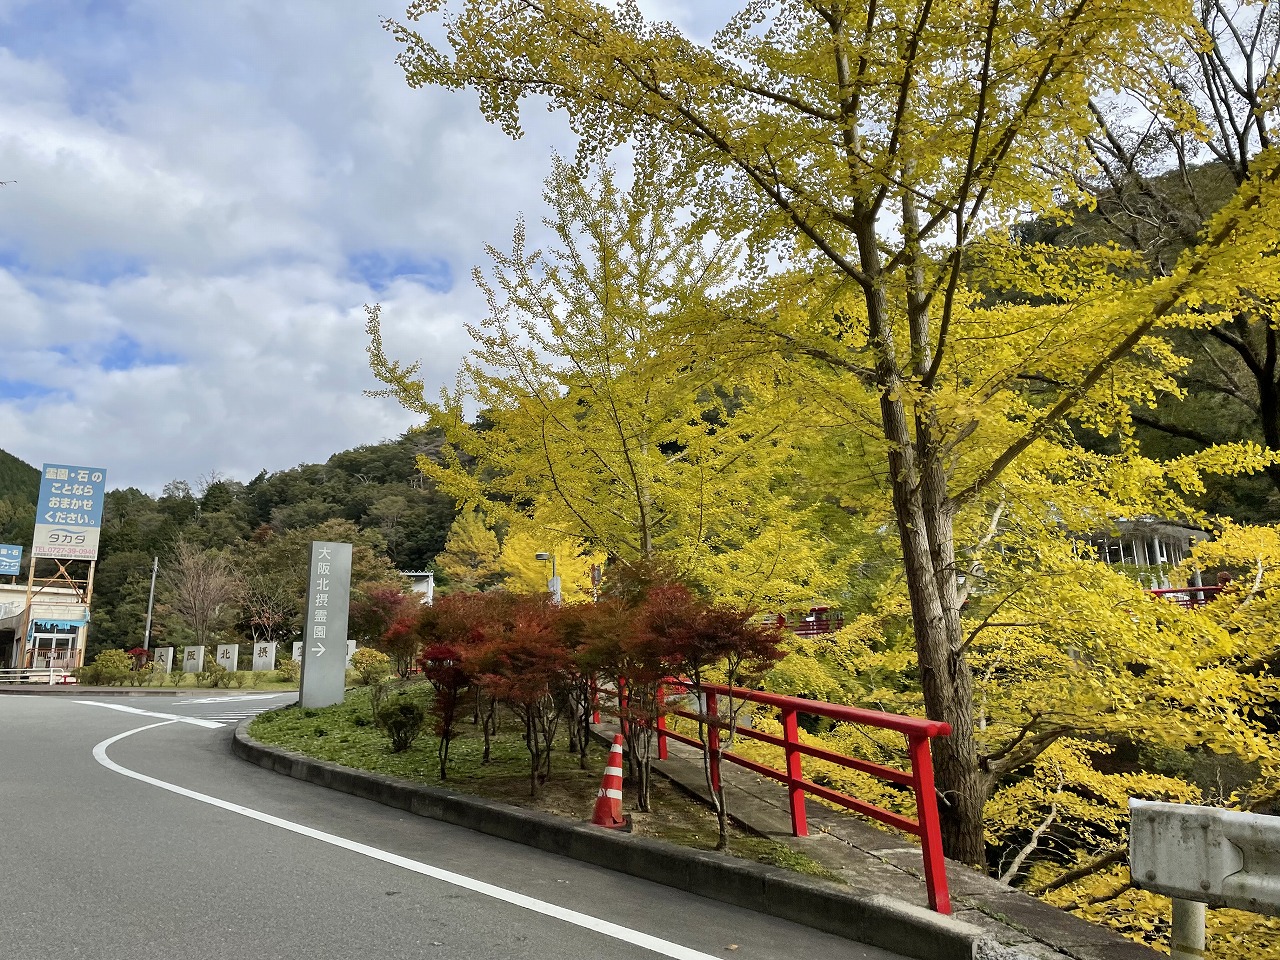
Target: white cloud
[261, 369]
[205, 199]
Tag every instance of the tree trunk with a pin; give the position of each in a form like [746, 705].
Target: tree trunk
[928, 555]
[642, 787]
[548, 722]
[639, 739]
[1269, 406]
[722, 819]
[490, 728]
[924, 519]
[533, 744]
[584, 732]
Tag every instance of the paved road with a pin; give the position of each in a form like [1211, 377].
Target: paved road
[130, 837]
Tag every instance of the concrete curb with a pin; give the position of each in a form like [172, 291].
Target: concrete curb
[866, 917]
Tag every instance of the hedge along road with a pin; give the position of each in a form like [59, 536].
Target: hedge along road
[131, 835]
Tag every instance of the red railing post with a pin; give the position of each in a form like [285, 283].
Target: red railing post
[935, 865]
[595, 701]
[713, 741]
[661, 723]
[795, 773]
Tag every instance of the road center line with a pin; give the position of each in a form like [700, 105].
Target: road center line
[199, 722]
[655, 944]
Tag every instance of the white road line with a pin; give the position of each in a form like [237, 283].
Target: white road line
[251, 696]
[151, 713]
[618, 932]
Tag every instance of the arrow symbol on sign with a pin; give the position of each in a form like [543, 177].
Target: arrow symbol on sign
[318, 649]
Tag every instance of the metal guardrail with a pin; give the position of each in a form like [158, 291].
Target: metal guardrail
[1223, 858]
[49, 675]
[1204, 856]
[919, 778]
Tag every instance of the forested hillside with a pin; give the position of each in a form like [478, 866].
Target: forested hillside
[18, 479]
[19, 486]
[372, 496]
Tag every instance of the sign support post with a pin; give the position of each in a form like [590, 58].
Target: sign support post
[26, 611]
[68, 525]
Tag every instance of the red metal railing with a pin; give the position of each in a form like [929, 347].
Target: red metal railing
[1188, 596]
[819, 620]
[813, 628]
[919, 778]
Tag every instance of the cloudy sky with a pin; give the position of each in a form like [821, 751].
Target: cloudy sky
[204, 198]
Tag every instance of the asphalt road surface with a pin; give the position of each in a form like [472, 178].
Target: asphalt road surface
[129, 836]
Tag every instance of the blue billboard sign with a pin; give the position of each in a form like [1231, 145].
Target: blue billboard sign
[69, 512]
[10, 560]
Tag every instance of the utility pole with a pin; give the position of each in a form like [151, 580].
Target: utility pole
[146, 636]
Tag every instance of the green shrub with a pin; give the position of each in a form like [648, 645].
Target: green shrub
[371, 665]
[288, 671]
[212, 674]
[110, 668]
[401, 720]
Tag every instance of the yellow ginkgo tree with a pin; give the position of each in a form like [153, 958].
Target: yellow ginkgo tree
[526, 573]
[885, 148]
[601, 417]
[471, 558]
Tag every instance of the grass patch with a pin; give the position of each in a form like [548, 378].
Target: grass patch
[780, 855]
[345, 734]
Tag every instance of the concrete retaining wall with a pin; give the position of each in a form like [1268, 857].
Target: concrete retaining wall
[876, 920]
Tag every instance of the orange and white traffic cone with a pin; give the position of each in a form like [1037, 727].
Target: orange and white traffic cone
[608, 812]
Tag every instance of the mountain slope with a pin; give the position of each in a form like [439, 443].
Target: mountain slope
[18, 480]
[19, 488]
